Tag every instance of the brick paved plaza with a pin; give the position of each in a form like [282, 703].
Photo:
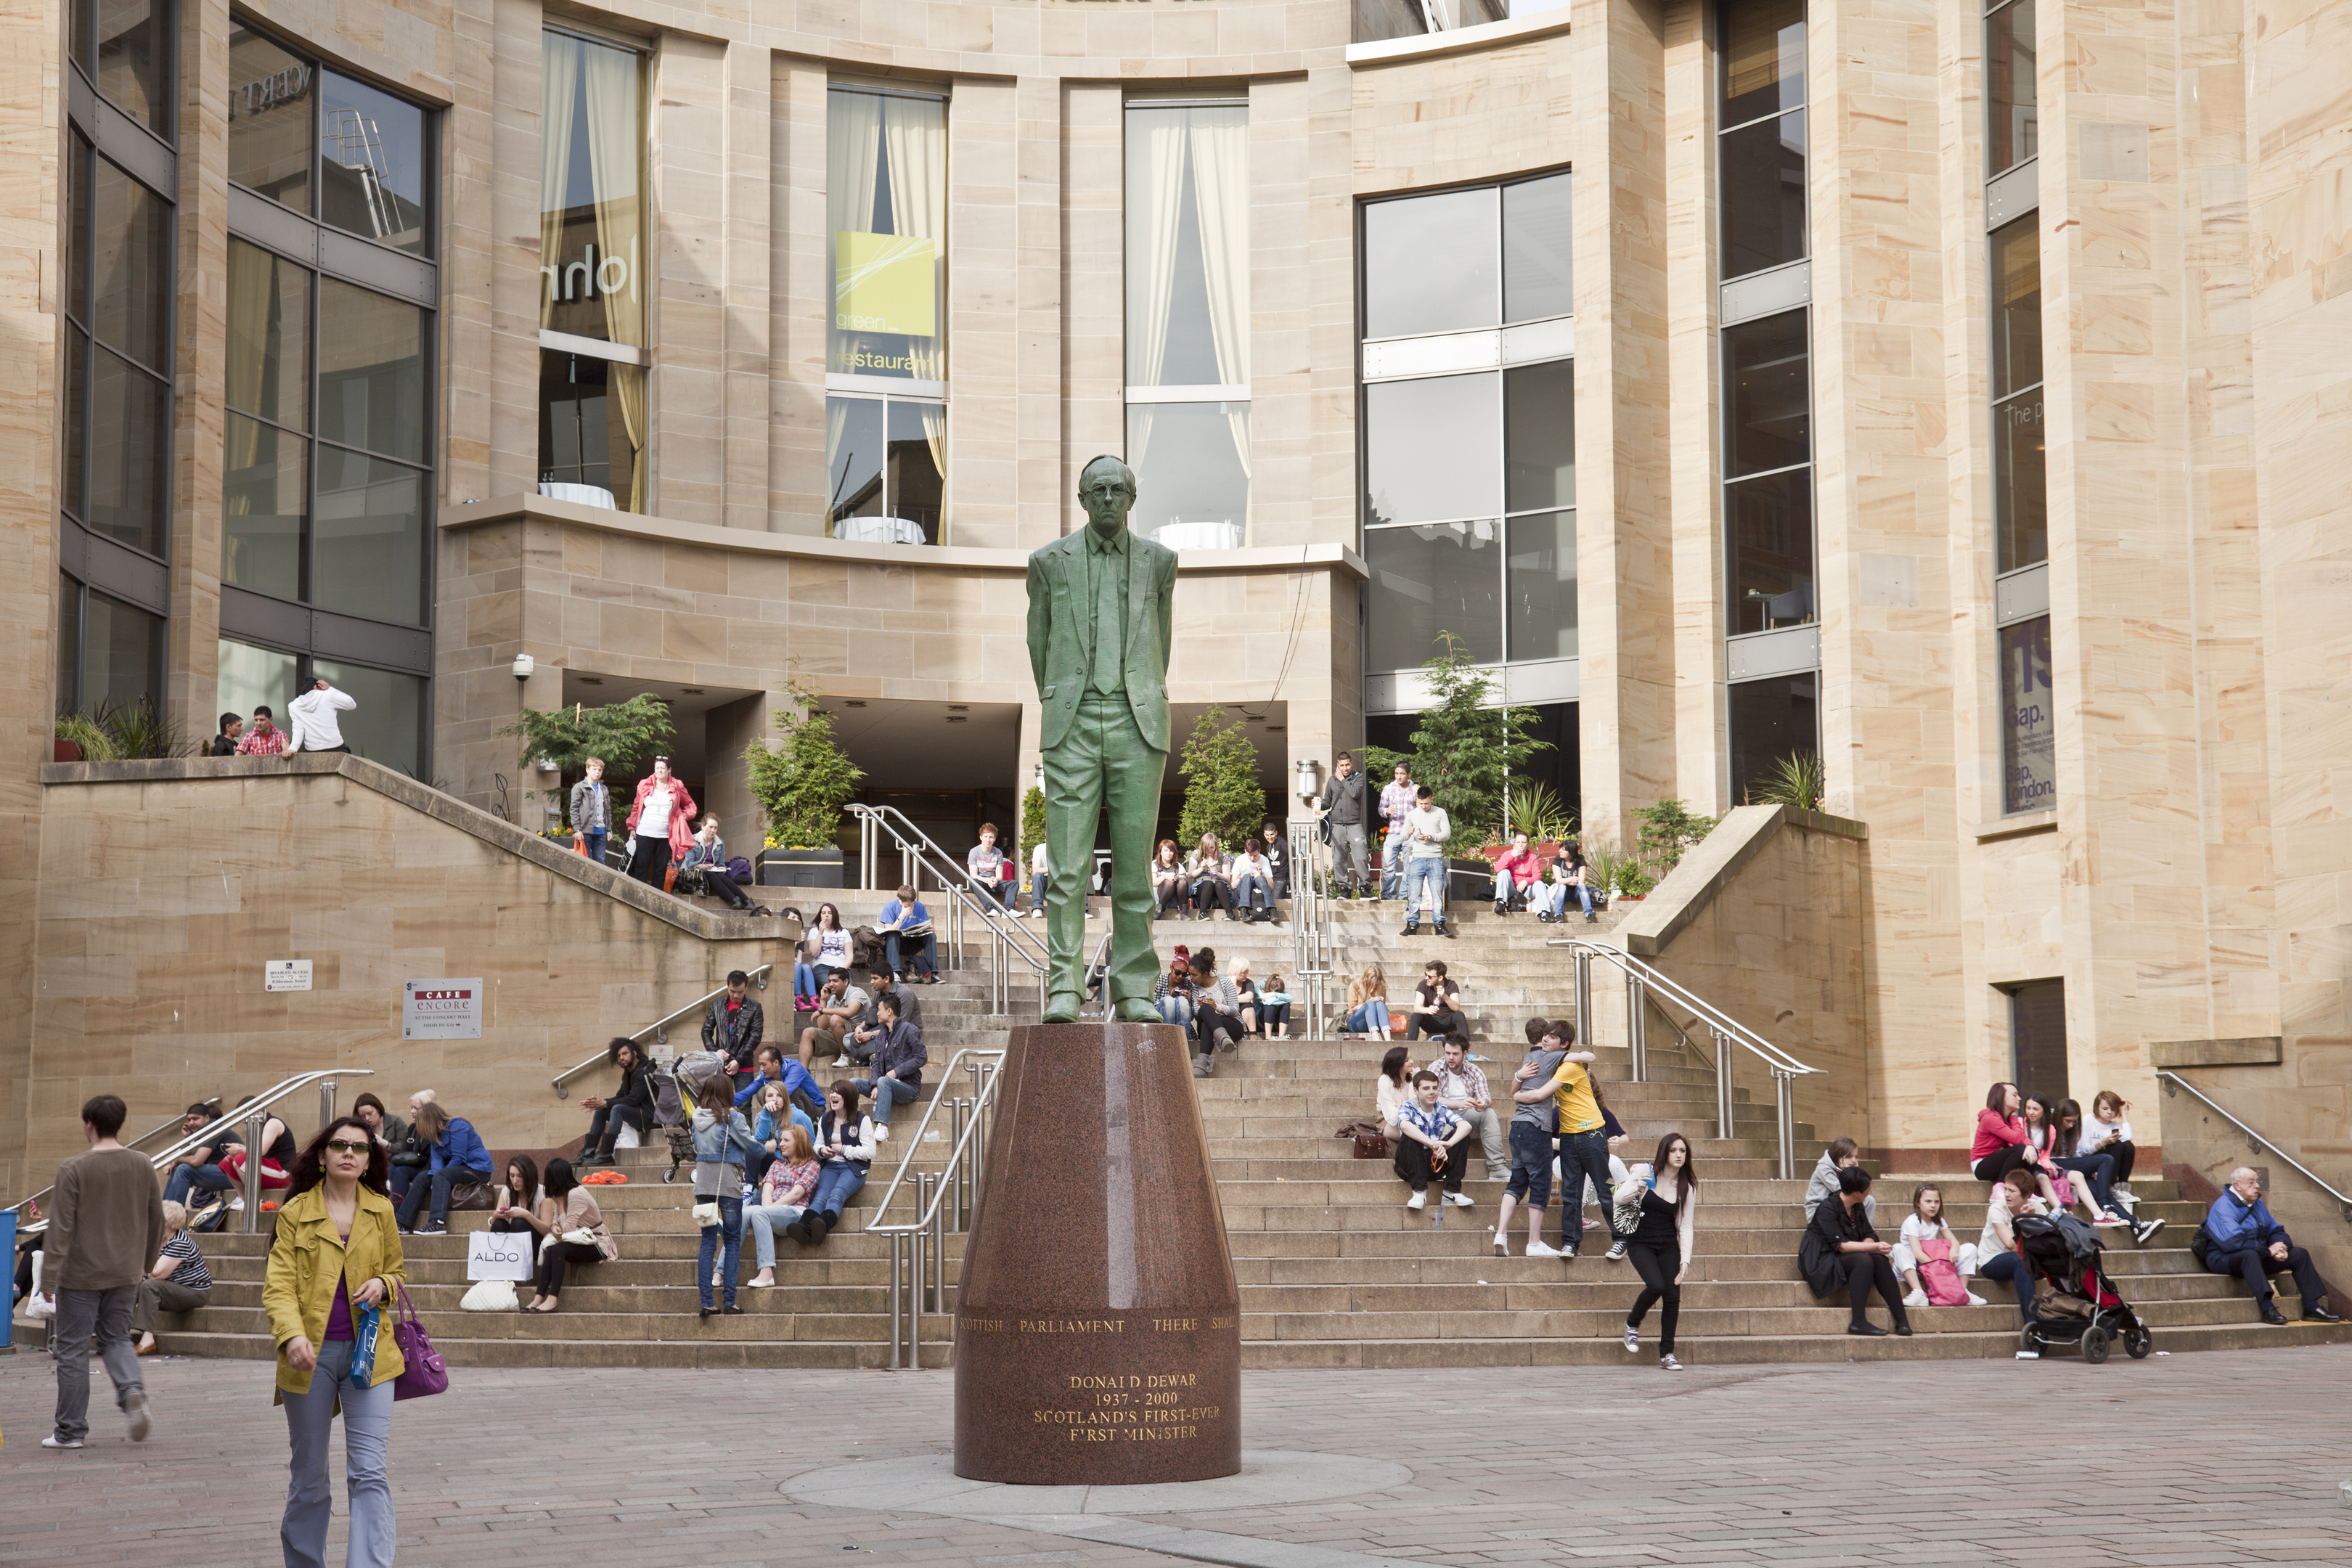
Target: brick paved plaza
[2228, 1457]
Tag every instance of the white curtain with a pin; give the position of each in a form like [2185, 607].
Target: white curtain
[558, 100]
[616, 144]
[1155, 185]
[1220, 145]
[915, 132]
[935, 436]
[852, 163]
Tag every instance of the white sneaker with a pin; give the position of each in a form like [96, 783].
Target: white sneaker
[1974, 1300]
[1540, 1249]
[1459, 1200]
[237, 1204]
[1668, 1363]
[881, 1132]
[1418, 1200]
[135, 1407]
[1632, 1339]
[1917, 1299]
[1502, 1245]
[54, 1441]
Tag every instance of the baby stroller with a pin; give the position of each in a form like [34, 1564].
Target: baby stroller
[2076, 1301]
[676, 1094]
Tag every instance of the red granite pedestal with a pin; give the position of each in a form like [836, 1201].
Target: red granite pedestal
[1097, 1322]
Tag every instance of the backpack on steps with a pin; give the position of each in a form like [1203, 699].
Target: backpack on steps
[1938, 1275]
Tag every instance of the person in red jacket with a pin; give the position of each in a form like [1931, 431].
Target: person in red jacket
[2003, 1144]
[658, 833]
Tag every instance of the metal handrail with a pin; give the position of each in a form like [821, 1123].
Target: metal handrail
[1312, 949]
[1642, 979]
[1005, 934]
[254, 1113]
[2255, 1140]
[962, 1174]
[658, 1029]
[1102, 955]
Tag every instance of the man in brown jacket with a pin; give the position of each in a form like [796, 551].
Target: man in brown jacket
[106, 1226]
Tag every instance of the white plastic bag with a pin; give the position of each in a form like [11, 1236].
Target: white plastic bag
[490, 1296]
[627, 1137]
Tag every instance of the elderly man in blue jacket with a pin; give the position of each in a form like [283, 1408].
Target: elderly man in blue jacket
[2242, 1238]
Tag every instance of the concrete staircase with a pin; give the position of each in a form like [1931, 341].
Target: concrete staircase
[1334, 1271]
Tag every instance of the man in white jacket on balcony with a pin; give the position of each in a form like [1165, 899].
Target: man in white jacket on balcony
[311, 718]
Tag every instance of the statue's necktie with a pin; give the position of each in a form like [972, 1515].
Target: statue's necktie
[1110, 582]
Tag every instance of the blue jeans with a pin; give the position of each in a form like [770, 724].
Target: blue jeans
[1504, 886]
[1036, 891]
[763, 1222]
[836, 1185]
[1392, 858]
[1254, 893]
[885, 1092]
[926, 949]
[1424, 878]
[595, 842]
[437, 1186]
[1582, 1156]
[1176, 1010]
[212, 1178]
[727, 1233]
[804, 982]
[2010, 1269]
[1001, 891]
[1371, 1018]
[1530, 1179]
[367, 1433]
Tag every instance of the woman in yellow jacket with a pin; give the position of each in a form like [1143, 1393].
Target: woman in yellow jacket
[337, 1254]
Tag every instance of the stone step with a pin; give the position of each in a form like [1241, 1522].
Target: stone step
[682, 1352]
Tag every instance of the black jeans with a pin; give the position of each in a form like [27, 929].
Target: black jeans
[1436, 1025]
[722, 887]
[1413, 1165]
[2098, 1170]
[2001, 1162]
[648, 858]
[561, 1256]
[436, 1187]
[604, 1126]
[1581, 1154]
[510, 1226]
[1861, 1270]
[1211, 894]
[2124, 1154]
[1657, 1262]
[2256, 1266]
[1206, 1021]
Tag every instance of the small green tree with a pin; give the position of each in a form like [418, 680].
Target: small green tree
[1221, 792]
[1033, 822]
[804, 779]
[622, 733]
[1463, 749]
[1669, 827]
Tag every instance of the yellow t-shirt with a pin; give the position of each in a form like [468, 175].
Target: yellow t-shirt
[1571, 1089]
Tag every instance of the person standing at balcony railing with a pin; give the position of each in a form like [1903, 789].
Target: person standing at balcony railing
[313, 714]
[592, 810]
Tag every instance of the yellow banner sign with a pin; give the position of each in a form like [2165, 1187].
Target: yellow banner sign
[884, 283]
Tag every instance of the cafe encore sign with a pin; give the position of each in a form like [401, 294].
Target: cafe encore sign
[441, 1009]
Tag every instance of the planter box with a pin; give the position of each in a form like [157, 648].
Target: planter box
[801, 868]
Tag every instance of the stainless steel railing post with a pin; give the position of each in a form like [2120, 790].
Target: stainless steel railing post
[893, 1303]
[1722, 1084]
[1637, 1038]
[915, 1295]
[955, 1166]
[939, 1256]
[1784, 1099]
[326, 1102]
[252, 1152]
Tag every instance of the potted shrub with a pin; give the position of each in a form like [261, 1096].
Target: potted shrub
[620, 734]
[802, 782]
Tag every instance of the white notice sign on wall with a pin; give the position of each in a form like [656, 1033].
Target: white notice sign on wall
[441, 1009]
[286, 975]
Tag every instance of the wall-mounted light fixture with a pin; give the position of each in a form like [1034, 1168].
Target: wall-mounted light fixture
[1309, 779]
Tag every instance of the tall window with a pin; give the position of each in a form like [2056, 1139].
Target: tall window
[1761, 62]
[2020, 495]
[388, 726]
[1469, 509]
[2037, 1038]
[2029, 728]
[886, 415]
[2011, 133]
[593, 286]
[114, 387]
[1188, 321]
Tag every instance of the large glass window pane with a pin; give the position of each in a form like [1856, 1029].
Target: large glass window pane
[69, 641]
[2016, 305]
[1760, 45]
[270, 110]
[1541, 578]
[592, 220]
[371, 371]
[1769, 401]
[1768, 526]
[367, 540]
[1430, 264]
[1763, 194]
[2028, 720]
[2021, 492]
[918, 464]
[73, 400]
[122, 655]
[854, 453]
[262, 495]
[371, 168]
[1425, 580]
[254, 678]
[134, 60]
[131, 252]
[129, 425]
[1537, 243]
[1432, 448]
[1188, 277]
[73, 252]
[387, 726]
[2037, 1036]
[1539, 435]
[269, 335]
[1191, 473]
[584, 436]
[886, 223]
[1771, 721]
[2012, 135]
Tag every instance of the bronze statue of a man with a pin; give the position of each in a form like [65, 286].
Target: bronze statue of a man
[1098, 640]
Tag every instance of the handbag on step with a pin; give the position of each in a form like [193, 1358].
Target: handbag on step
[1370, 1142]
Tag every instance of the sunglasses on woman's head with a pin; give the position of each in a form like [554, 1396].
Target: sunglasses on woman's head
[344, 1146]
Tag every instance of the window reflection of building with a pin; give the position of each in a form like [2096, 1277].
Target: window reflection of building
[592, 291]
[885, 404]
[1187, 320]
[1469, 475]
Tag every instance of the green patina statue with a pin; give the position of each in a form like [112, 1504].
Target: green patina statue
[1099, 639]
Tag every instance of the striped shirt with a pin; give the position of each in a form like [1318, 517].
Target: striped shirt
[192, 1272]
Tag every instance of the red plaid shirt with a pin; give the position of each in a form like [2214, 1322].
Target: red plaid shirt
[269, 742]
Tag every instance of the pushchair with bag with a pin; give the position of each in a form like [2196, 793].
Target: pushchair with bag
[677, 1092]
[2074, 1300]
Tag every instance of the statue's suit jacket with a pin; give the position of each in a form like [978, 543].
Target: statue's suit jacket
[1062, 633]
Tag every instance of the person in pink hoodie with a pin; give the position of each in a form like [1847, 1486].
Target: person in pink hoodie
[658, 833]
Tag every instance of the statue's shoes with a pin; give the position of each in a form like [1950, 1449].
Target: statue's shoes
[1063, 1009]
[1136, 1010]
